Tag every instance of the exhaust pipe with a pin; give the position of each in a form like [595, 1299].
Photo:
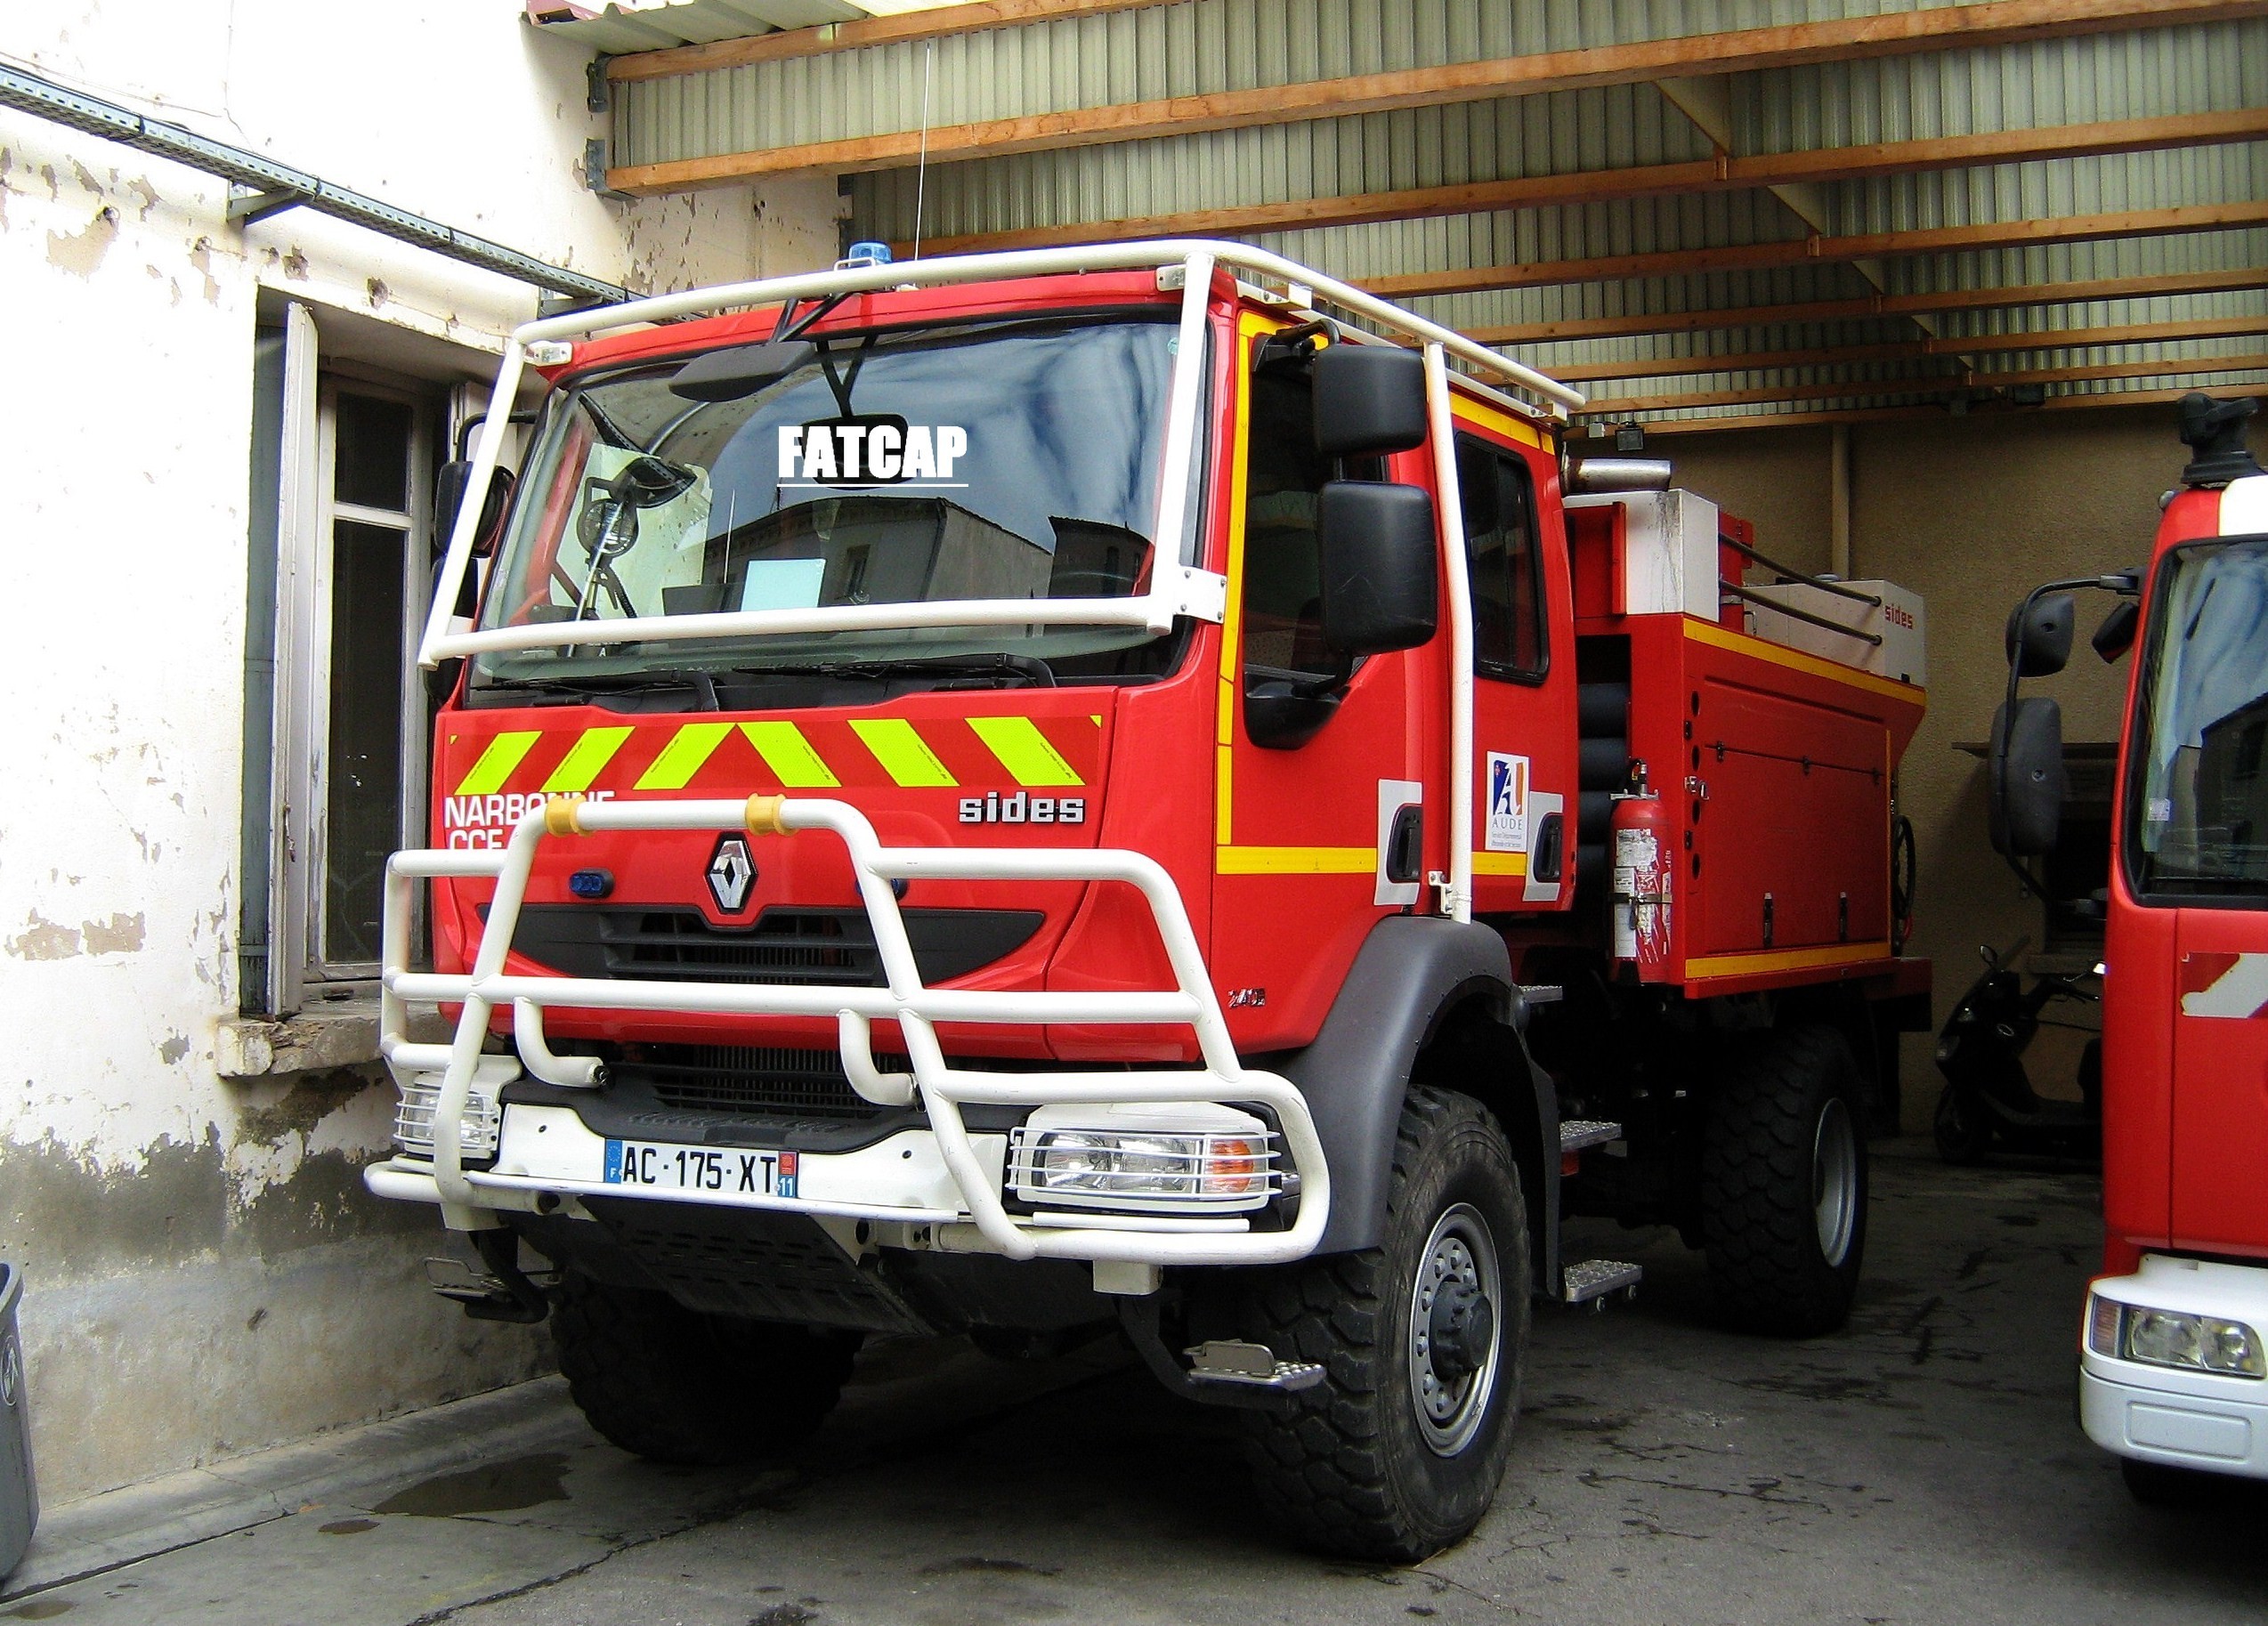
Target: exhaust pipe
[1602, 476]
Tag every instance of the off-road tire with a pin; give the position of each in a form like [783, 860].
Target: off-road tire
[1961, 1140]
[674, 1385]
[1760, 1201]
[1348, 1470]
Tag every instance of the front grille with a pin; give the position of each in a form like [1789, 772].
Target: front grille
[831, 948]
[752, 1080]
[799, 946]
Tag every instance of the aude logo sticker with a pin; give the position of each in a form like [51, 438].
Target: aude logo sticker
[877, 449]
[1507, 830]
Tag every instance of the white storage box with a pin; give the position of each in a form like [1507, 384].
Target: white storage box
[1896, 621]
[1669, 553]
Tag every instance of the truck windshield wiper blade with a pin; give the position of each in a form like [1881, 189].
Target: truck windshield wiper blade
[1032, 671]
[616, 682]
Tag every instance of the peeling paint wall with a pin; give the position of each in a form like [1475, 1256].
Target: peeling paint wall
[205, 1272]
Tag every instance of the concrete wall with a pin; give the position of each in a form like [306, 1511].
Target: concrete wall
[1971, 513]
[205, 1273]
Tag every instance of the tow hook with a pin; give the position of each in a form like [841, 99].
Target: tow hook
[507, 1293]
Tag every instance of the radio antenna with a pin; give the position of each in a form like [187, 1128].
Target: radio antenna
[921, 168]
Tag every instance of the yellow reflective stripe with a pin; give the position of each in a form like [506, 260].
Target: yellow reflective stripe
[684, 756]
[904, 755]
[1786, 959]
[789, 756]
[584, 762]
[1500, 863]
[504, 754]
[1295, 861]
[1024, 751]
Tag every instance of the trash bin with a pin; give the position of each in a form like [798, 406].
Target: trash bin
[19, 1495]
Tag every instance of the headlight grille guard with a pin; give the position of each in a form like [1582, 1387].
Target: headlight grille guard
[941, 1089]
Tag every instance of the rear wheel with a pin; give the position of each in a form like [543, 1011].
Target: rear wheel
[1961, 1139]
[1784, 1183]
[674, 1385]
[1398, 1453]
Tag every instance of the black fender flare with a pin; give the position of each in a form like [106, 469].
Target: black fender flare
[1413, 972]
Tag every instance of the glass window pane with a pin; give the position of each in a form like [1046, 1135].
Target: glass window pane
[1507, 606]
[365, 795]
[373, 467]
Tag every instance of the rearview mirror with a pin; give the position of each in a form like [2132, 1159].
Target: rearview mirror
[2039, 634]
[1369, 400]
[2026, 778]
[736, 373]
[2115, 636]
[450, 487]
[1381, 577]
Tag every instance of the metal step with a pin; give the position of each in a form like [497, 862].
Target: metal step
[1227, 1361]
[1592, 1282]
[1576, 1133]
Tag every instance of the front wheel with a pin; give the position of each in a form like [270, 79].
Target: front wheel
[674, 1385]
[1784, 1183]
[1398, 1453]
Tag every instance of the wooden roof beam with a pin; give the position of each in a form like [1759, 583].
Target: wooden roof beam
[1901, 33]
[1721, 174]
[1763, 256]
[2172, 284]
[1909, 350]
[2075, 401]
[1924, 384]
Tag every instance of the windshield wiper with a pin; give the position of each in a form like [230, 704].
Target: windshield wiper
[703, 684]
[1030, 669]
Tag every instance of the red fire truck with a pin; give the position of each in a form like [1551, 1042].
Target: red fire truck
[1124, 788]
[2174, 1377]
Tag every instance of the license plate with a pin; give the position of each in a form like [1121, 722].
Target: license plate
[701, 1168]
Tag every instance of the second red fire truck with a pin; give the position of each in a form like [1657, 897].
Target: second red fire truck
[1130, 789]
[2173, 1364]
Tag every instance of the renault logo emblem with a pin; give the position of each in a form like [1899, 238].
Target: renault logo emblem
[731, 873]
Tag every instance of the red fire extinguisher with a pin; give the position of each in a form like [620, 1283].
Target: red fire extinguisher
[1639, 834]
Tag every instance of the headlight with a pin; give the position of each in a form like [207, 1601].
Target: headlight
[1179, 1155]
[413, 1119]
[2176, 1339]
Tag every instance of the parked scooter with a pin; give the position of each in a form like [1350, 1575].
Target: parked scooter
[1989, 1102]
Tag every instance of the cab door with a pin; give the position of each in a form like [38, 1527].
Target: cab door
[1308, 798]
[1523, 737]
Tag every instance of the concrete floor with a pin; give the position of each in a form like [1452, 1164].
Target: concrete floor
[1923, 1466]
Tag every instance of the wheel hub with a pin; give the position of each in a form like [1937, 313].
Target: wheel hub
[1461, 1330]
[1834, 1181]
[1454, 1354]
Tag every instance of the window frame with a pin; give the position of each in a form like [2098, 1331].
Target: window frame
[1464, 436]
[415, 526]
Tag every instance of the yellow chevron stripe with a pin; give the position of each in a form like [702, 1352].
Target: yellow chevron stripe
[587, 759]
[694, 745]
[904, 755]
[1024, 751]
[504, 754]
[1500, 863]
[789, 756]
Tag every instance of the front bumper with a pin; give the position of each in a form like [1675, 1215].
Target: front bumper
[2177, 1417]
[942, 1182]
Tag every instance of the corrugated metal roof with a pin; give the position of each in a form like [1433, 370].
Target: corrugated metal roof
[617, 30]
[1199, 46]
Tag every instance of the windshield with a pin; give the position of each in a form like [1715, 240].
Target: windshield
[2202, 823]
[999, 460]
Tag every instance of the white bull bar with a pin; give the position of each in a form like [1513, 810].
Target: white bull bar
[468, 1198]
